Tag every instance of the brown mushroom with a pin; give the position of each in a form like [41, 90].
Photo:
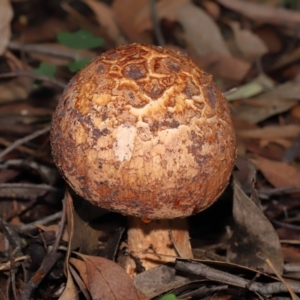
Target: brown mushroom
[144, 132]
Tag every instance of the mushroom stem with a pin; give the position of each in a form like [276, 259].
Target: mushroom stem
[156, 242]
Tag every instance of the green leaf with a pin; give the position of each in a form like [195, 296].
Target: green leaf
[81, 39]
[45, 70]
[77, 65]
[169, 297]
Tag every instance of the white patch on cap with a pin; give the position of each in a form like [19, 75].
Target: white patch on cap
[124, 143]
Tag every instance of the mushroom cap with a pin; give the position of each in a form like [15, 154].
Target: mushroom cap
[142, 131]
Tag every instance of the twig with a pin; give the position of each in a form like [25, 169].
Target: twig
[291, 268]
[26, 150]
[270, 264]
[61, 227]
[48, 262]
[26, 191]
[155, 21]
[227, 278]
[32, 226]
[24, 140]
[9, 237]
[286, 225]
[14, 265]
[7, 266]
[45, 49]
[277, 191]
[34, 76]
[20, 210]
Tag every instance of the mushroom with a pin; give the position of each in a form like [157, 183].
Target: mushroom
[142, 131]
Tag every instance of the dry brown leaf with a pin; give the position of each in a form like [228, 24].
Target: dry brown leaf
[212, 8]
[285, 143]
[277, 100]
[70, 291]
[278, 173]
[80, 266]
[126, 12]
[222, 66]
[254, 238]
[295, 112]
[106, 18]
[6, 14]
[286, 59]
[201, 31]
[248, 45]
[264, 14]
[271, 132]
[107, 280]
[85, 238]
[55, 228]
[47, 30]
[16, 89]
[257, 113]
[159, 280]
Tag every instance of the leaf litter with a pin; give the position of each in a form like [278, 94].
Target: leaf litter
[251, 251]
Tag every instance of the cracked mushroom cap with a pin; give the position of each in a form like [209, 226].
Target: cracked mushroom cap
[143, 131]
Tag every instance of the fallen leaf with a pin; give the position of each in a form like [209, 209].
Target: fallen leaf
[263, 13]
[271, 151]
[277, 100]
[291, 255]
[70, 291]
[287, 59]
[262, 109]
[201, 31]
[256, 86]
[278, 173]
[106, 19]
[285, 143]
[81, 235]
[222, 66]
[271, 132]
[126, 12]
[248, 45]
[80, 266]
[15, 89]
[158, 280]
[245, 172]
[6, 14]
[55, 228]
[47, 30]
[107, 280]
[295, 112]
[254, 238]
[212, 8]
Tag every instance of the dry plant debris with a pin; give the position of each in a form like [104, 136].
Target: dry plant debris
[245, 246]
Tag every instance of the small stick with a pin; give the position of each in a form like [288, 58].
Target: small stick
[34, 76]
[7, 234]
[24, 140]
[270, 264]
[227, 278]
[45, 49]
[155, 22]
[48, 262]
[31, 226]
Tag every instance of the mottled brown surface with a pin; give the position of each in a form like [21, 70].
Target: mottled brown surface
[143, 131]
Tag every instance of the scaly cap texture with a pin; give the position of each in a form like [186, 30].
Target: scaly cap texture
[143, 131]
